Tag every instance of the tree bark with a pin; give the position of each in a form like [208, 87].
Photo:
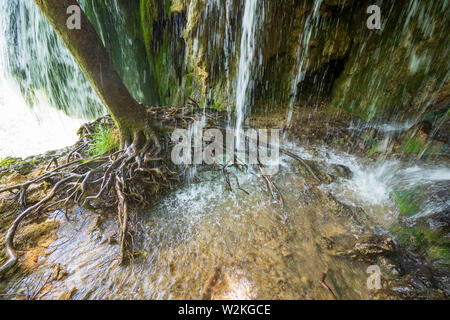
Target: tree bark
[89, 52]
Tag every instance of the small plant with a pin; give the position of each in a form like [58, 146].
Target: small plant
[406, 202]
[7, 162]
[106, 140]
[217, 106]
[424, 241]
[412, 146]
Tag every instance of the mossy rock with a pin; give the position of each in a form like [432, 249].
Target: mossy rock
[422, 240]
[440, 253]
[395, 70]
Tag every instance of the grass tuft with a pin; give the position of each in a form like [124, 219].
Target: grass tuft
[106, 140]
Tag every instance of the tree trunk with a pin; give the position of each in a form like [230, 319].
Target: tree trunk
[89, 52]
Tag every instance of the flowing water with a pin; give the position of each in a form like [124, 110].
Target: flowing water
[302, 52]
[247, 58]
[263, 250]
[25, 132]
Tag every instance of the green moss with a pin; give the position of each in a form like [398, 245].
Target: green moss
[149, 14]
[17, 163]
[164, 50]
[162, 63]
[217, 105]
[373, 150]
[440, 253]
[424, 241]
[7, 162]
[412, 146]
[394, 70]
[167, 8]
[106, 140]
[406, 202]
[415, 237]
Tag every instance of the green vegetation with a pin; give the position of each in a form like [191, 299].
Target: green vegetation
[304, 171]
[18, 163]
[416, 237]
[7, 162]
[422, 240]
[440, 253]
[413, 145]
[148, 16]
[373, 150]
[217, 105]
[406, 202]
[106, 140]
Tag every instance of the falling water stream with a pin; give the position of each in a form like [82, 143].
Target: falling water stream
[246, 59]
[262, 249]
[302, 52]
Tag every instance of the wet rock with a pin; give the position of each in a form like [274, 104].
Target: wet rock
[359, 217]
[341, 171]
[325, 243]
[369, 247]
[413, 286]
[211, 283]
[59, 273]
[68, 295]
[226, 284]
[325, 172]
[422, 128]
[389, 268]
[285, 252]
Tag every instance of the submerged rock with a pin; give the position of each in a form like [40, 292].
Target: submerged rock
[369, 247]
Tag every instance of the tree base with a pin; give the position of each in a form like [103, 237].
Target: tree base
[130, 179]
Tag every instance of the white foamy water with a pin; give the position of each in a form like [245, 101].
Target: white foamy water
[373, 183]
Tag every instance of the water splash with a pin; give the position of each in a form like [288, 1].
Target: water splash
[25, 132]
[373, 184]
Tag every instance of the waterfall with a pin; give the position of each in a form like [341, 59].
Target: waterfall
[41, 65]
[247, 56]
[302, 52]
[37, 77]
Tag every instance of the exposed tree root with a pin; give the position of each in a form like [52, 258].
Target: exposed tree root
[128, 179]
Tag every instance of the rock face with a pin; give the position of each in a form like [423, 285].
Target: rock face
[304, 50]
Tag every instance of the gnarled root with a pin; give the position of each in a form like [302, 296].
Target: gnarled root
[130, 178]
